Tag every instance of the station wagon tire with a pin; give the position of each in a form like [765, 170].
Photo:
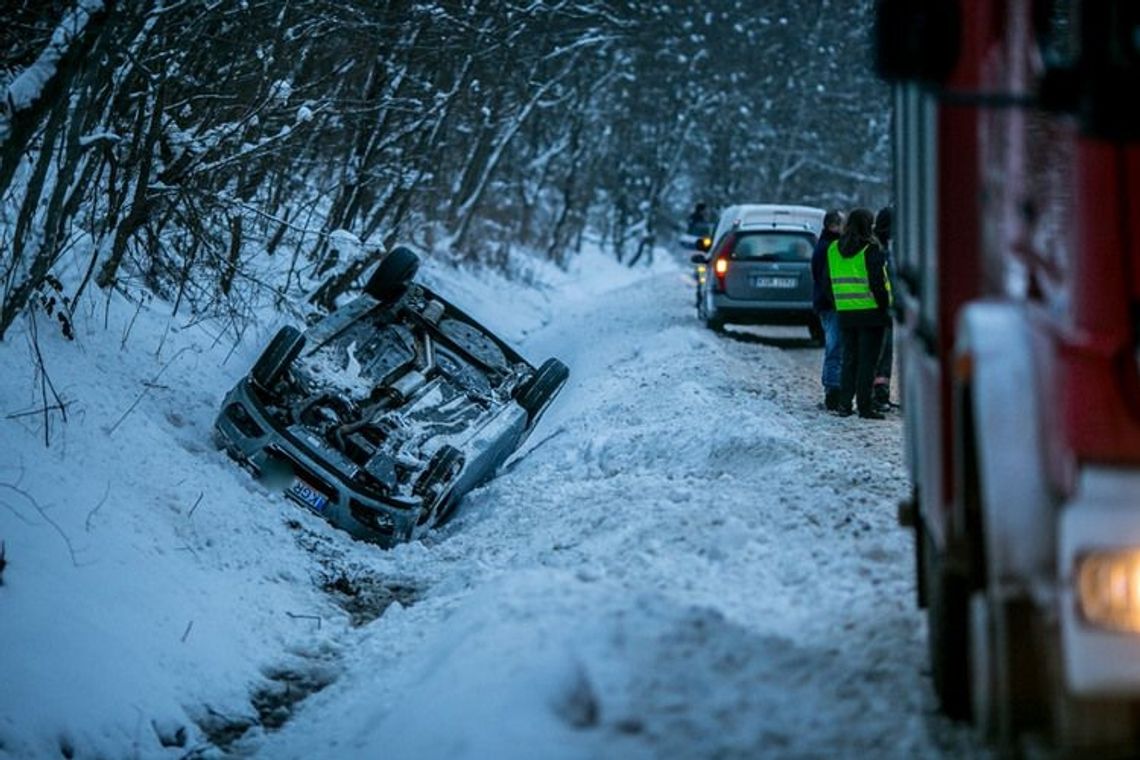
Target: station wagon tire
[816, 330]
[274, 361]
[393, 274]
[433, 486]
[714, 323]
[536, 393]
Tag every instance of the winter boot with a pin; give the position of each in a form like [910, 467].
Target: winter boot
[881, 394]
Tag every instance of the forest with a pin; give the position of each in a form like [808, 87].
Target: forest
[180, 149]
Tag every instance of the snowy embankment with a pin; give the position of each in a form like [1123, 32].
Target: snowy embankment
[688, 559]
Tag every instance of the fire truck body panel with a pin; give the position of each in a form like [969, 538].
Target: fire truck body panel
[1018, 269]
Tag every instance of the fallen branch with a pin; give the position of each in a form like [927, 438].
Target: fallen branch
[12, 509]
[45, 383]
[147, 385]
[305, 617]
[62, 408]
[91, 514]
[46, 518]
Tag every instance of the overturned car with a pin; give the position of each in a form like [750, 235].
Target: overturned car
[381, 415]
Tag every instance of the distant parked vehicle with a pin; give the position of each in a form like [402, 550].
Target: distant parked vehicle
[697, 237]
[760, 268]
[699, 229]
[383, 414]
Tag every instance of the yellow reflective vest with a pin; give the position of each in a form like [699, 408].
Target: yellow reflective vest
[849, 281]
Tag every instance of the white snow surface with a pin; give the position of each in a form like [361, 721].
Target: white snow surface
[688, 559]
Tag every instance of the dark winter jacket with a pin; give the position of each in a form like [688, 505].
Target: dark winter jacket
[821, 298]
[876, 278]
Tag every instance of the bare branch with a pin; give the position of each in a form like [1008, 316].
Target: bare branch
[46, 518]
[93, 512]
[146, 388]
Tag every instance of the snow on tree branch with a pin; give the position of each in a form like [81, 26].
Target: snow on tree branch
[29, 85]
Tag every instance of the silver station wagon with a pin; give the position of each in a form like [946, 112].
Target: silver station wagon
[759, 268]
[384, 413]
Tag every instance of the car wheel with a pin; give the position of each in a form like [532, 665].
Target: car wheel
[536, 393]
[271, 366]
[434, 485]
[816, 330]
[392, 275]
[711, 319]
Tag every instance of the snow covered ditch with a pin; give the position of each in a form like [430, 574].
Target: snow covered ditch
[688, 558]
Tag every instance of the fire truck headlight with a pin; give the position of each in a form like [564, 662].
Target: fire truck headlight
[1108, 589]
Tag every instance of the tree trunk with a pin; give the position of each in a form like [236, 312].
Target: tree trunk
[17, 294]
[234, 256]
[140, 204]
[24, 119]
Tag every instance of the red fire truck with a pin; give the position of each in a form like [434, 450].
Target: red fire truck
[1017, 259]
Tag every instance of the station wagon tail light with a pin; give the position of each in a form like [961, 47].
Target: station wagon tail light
[1108, 589]
[720, 269]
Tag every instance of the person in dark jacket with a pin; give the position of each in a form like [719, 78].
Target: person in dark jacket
[701, 220]
[857, 269]
[881, 388]
[824, 308]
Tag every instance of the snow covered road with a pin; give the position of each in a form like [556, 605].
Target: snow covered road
[689, 559]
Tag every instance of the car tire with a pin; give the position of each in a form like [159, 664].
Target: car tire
[712, 321]
[274, 361]
[816, 330]
[536, 393]
[434, 485]
[393, 274]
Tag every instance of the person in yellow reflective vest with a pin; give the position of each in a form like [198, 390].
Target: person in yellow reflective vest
[857, 279]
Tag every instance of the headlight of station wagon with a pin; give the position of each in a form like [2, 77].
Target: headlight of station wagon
[1108, 589]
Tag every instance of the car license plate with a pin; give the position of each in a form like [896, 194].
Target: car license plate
[307, 495]
[775, 282]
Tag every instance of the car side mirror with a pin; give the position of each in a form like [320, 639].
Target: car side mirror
[699, 258]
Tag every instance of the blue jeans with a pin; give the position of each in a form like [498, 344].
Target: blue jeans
[832, 350]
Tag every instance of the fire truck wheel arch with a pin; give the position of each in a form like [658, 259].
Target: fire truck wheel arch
[1004, 399]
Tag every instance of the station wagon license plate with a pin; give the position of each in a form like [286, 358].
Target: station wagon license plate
[307, 495]
[774, 282]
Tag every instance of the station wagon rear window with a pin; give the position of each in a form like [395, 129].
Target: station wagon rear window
[773, 246]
